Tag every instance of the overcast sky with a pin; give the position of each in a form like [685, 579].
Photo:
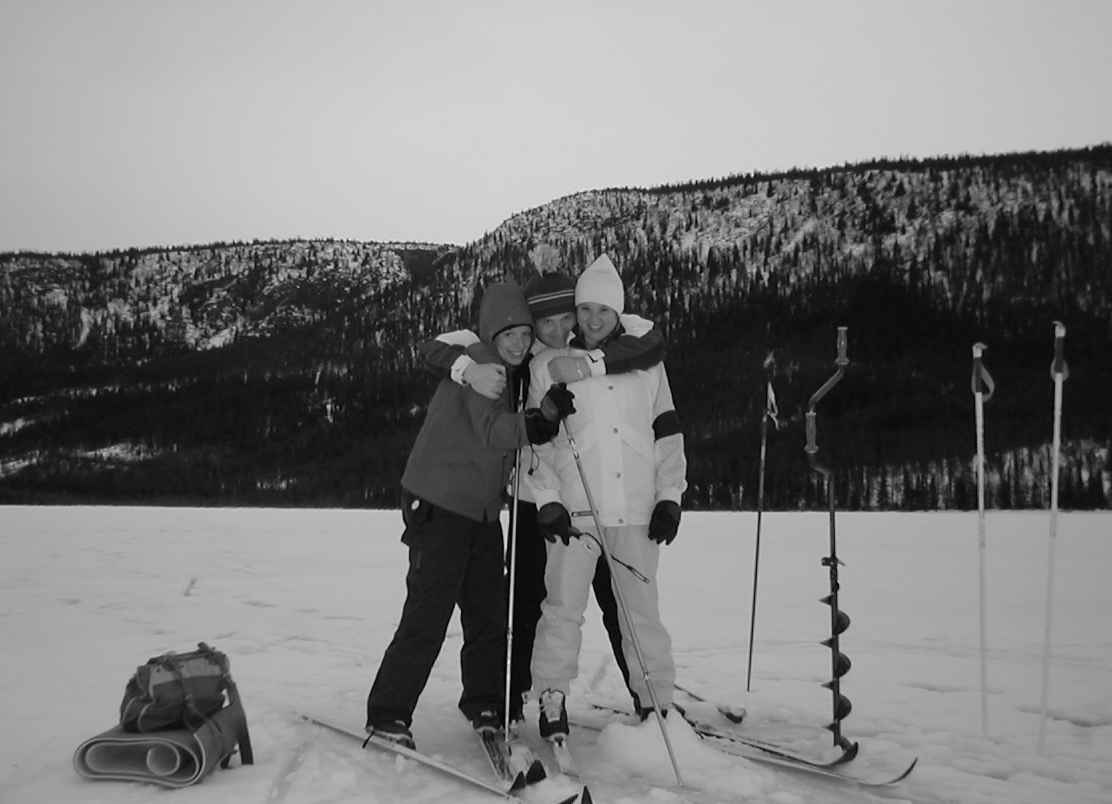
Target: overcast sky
[164, 122]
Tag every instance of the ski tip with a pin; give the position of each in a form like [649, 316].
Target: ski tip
[518, 784]
[536, 772]
[734, 715]
[908, 770]
[582, 797]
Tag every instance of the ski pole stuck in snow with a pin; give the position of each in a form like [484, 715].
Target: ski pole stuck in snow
[770, 413]
[983, 387]
[839, 620]
[619, 596]
[1059, 373]
[512, 539]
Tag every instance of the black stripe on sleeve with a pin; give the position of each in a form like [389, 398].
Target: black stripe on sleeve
[666, 424]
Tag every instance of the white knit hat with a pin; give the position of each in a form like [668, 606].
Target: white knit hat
[600, 283]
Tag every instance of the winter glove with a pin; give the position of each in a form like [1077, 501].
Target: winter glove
[665, 522]
[538, 429]
[553, 521]
[557, 402]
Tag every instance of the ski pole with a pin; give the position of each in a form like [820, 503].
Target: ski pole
[1059, 372]
[770, 412]
[839, 620]
[513, 566]
[983, 387]
[620, 597]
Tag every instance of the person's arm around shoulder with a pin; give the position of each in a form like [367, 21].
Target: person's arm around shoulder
[639, 347]
[446, 357]
[499, 427]
[543, 481]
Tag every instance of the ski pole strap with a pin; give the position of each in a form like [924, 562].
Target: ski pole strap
[1059, 368]
[586, 533]
[981, 381]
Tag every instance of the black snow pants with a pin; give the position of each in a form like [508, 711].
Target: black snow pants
[453, 561]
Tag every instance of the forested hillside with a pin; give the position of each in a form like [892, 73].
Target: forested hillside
[285, 373]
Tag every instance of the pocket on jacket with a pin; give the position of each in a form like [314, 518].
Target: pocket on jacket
[416, 512]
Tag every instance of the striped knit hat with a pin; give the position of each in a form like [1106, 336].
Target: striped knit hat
[550, 294]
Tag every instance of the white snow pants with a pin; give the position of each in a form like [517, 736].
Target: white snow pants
[567, 578]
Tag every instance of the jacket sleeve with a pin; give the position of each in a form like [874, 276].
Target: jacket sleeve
[543, 480]
[668, 451]
[445, 356]
[639, 347]
[497, 426]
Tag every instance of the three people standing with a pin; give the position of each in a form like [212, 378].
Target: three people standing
[628, 435]
[452, 499]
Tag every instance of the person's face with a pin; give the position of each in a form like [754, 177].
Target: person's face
[596, 321]
[513, 343]
[553, 330]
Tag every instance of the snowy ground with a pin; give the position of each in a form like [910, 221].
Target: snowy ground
[304, 602]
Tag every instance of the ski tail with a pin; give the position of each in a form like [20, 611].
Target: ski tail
[426, 761]
[512, 761]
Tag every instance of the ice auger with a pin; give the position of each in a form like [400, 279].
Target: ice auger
[839, 620]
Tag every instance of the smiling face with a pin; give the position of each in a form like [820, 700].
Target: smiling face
[553, 330]
[513, 344]
[596, 322]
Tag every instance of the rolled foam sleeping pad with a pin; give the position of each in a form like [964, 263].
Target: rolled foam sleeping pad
[171, 758]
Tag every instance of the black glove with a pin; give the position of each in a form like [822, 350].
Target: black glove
[665, 522]
[538, 429]
[553, 521]
[557, 402]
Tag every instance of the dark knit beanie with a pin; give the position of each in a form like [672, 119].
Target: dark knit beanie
[550, 294]
[503, 306]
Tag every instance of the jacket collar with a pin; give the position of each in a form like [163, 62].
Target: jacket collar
[578, 342]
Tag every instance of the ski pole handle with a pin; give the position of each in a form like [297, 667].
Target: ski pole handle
[1059, 369]
[981, 381]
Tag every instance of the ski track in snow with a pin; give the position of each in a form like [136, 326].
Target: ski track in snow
[304, 602]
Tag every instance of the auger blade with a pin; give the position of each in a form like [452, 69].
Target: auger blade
[841, 618]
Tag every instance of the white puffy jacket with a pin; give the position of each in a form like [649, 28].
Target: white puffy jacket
[627, 432]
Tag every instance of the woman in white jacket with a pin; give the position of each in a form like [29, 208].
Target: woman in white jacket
[631, 448]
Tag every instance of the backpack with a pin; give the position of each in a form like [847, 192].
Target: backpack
[175, 690]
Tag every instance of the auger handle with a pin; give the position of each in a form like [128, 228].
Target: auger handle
[841, 361]
[811, 448]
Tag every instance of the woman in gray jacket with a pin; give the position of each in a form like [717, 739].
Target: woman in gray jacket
[452, 498]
